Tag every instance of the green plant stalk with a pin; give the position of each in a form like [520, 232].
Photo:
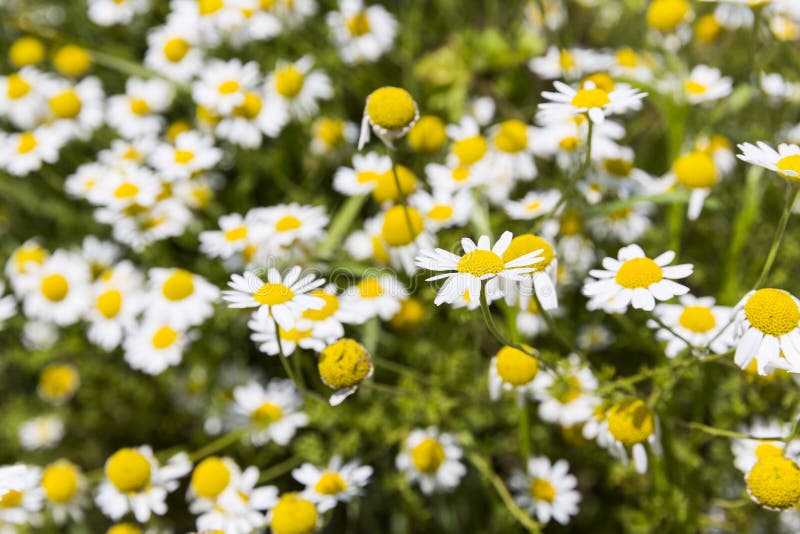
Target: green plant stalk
[286, 367]
[524, 429]
[340, 224]
[555, 330]
[791, 196]
[217, 445]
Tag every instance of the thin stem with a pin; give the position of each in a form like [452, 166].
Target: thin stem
[217, 445]
[286, 367]
[279, 469]
[524, 429]
[555, 330]
[721, 432]
[791, 195]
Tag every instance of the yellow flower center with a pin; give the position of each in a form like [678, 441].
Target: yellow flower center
[667, 15]
[128, 470]
[164, 337]
[17, 86]
[459, 174]
[139, 106]
[330, 307]
[480, 262]
[344, 364]
[294, 515]
[601, 80]
[542, 490]
[370, 288]
[176, 49]
[178, 286]
[695, 170]
[627, 58]
[639, 272]
[54, 287]
[58, 381]
[565, 389]
[108, 303]
[590, 98]
[28, 254]
[512, 136]
[228, 87]
[126, 190]
[266, 414]
[470, 149]
[27, 142]
[386, 187]
[207, 7]
[294, 335]
[358, 24]
[124, 528]
[26, 51]
[236, 234]
[391, 108]
[60, 481]
[697, 319]
[631, 421]
[790, 163]
[289, 82]
[329, 131]
[565, 59]
[526, 243]
[569, 143]
[72, 60]
[516, 367]
[774, 482]
[440, 212]
[66, 105]
[428, 134]
[772, 311]
[410, 315]
[768, 450]
[694, 88]
[330, 483]
[183, 156]
[707, 29]
[287, 223]
[271, 294]
[428, 455]
[250, 107]
[12, 499]
[396, 231]
[618, 167]
[210, 477]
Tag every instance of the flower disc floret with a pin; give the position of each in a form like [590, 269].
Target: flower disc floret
[772, 311]
[391, 108]
[428, 455]
[639, 272]
[516, 367]
[631, 421]
[128, 470]
[294, 515]
[344, 364]
[774, 482]
[480, 263]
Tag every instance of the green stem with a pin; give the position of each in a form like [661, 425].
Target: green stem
[721, 432]
[279, 469]
[791, 195]
[217, 445]
[524, 428]
[340, 224]
[669, 329]
[286, 367]
[555, 330]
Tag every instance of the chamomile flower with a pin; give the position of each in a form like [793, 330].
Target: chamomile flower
[513, 142]
[364, 175]
[469, 145]
[697, 320]
[23, 262]
[512, 370]
[135, 481]
[299, 87]
[258, 115]
[58, 290]
[116, 300]
[24, 152]
[633, 428]
[431, 459]
[185, 297]
[21, 503]
[137, 112]
[235, 235]
[240, 511]
[706, 84]
[22, 98]
[376, 296]
[302, 334]
[328, 321]
[443, 208]
[342, 366]
[328, 134]
[746, 452]
[291, 224]
[338, 482]
[785, 161]
[362, 33]
[191, 153]
[155, 345]
[79, 107]
[624, 224]
[534, 204]
[542, 280]
[634, 279]
[547, 490]
[479, 266]
[12, 478]
[222, 85]
[111, 12]
[595, 102]
[284, 297]
[404, 234]
[64, 488]
[125, 187]
[566, 397]
[768, 328]
[390, 112]
[774, 483]
[271, 413]
[41, 432]
[210, 478]
[568, 63]
[173, 51]
[293, 514]
[457, 178]
[58, 383]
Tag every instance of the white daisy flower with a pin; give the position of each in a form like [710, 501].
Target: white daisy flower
[446, 178]
[155, 345]
[329, 134]
[42, 432]
[223, 84]
[706, 84]
[479, 265]
[291, 224]
[116, 301]
[634, 279]
[24, 152]
[258, 115]
[567, 397]
[534, 204]
[79, 107]
[22, 501]
[64, 488]
[633, 428]
[12, 478]
[362, 34]
[469, 146]
[284, 297]
[547, 490]
[444, 208]
[364, 176]
[768, 330]
[191, 153]
[299, 87]
[513, 142]
[236, 233]
[624, 224]
[431, 459]
[596, 103]
[135, 481]
[111, 12]
[270, 413]
[58, 289]
[376, 296]
[569, 63]
[302, 334]
[512, 370]
[186, 298]
[22, 98]
[698, 320]
[785, 161]
[122, 188]
[338, 482]
[746, 452]
[173, 50]
[137, 112]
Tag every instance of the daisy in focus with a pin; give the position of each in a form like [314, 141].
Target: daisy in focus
[785, 161]
[390, 112]
[431, 459]
[338, 482]
[768, 330]
[591, 100]
[546, 490]
[636, 280]
[698, 320]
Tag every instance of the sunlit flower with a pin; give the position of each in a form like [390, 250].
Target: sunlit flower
[338, 482]
[156, 344]
[431, 459]
[362, 33]
[698, 320]
[512, 370]
[785, 161]
[546, 490]
[390, 112]
[376, 296]
[595, 102]
[271, 413]
[746, 452]
[299, 87]
[768, 328]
